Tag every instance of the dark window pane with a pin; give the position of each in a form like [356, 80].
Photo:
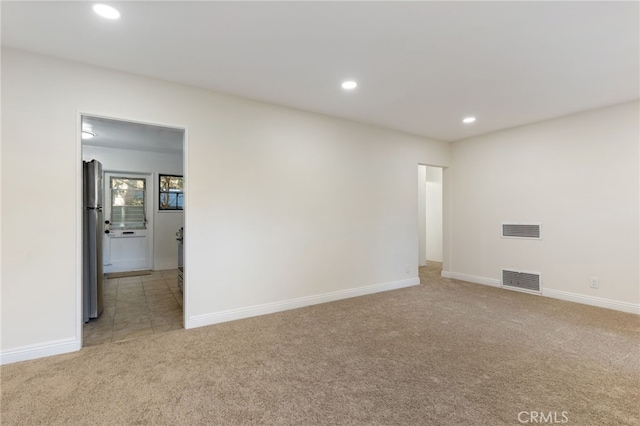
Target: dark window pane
[170, 192]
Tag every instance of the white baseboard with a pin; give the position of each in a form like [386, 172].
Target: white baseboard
[26, 353]
[163, 265]
[285, 305]
[471, 278]
[632, 308]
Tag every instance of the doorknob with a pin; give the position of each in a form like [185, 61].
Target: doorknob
[106, 231]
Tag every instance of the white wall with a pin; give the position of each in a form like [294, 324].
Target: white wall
[283, 207]
[433, 213]
[579, 176]
[165, 223]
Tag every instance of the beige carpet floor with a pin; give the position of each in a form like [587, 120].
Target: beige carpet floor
[443, 353]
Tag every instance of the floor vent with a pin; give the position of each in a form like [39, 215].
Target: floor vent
[522, 230]
[521, 280]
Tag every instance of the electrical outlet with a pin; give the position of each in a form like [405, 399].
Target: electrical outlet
[594, 282]
[406, 269]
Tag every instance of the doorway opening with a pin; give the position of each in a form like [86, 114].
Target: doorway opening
[430, 218]
[142, 205]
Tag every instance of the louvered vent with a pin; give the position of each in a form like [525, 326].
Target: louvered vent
[521, 280]
[522, 230]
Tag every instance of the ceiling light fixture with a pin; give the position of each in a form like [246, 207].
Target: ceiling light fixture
[106, 11]
[349, 85]
[469, 120]
[87, 135]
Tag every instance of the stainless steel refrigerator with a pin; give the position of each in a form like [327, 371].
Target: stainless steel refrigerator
[92, 297]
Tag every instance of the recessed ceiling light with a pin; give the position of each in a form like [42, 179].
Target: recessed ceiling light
[87, 135]
[349, 85]
[468, 120]
[106, 11]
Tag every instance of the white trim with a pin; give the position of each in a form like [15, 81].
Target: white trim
[186, 222]
[633, 308]
[79, 231]
[471, 278]
[285, 305]
[25, 353]
[521, 290]
[165, 265]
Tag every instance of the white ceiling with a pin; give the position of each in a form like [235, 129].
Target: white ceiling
[421, 66]
[128, 135]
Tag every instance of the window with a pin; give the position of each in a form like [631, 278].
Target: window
[171, 196]
[128, 203]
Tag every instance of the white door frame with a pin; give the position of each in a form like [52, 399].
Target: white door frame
[80, 215]
[422, 215]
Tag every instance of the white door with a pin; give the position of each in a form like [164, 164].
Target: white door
[128, 224]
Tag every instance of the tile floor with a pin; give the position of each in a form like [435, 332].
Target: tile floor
[136, 306]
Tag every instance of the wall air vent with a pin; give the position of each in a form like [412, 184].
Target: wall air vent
[529, 231]
[526, 281]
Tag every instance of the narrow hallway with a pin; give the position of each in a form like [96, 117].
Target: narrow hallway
[430, 272]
